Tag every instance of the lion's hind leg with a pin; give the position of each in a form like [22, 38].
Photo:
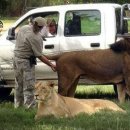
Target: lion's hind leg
[121, 89]
[128, 86]
[72, 88]
[67, 86]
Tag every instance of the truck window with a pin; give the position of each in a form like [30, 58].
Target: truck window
[49, 16]
[118, 17]
[82, 23]
[125, 22]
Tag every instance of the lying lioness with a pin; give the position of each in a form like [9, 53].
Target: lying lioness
[51, 103]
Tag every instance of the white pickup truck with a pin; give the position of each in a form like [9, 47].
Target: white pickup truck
[79, 27]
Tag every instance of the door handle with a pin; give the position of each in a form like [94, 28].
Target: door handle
[49, 46]
[95, 44]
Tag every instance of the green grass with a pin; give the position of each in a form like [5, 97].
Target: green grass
[95, 88]
[90, 27]
[96, 91]
[21, 119]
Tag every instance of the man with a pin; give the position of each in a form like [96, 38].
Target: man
[50, 29]
[29, 44]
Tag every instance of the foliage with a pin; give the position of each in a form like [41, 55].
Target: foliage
[17, 7]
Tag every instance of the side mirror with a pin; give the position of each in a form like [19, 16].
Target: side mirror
[129, 6]
[1, 26]
[11, 34]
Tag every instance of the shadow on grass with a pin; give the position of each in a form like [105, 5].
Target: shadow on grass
[108, 96]
[9, 98]
[98, 95]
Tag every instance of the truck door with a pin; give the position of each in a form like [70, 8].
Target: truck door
[83, 30]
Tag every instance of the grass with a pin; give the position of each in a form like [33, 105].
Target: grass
[22, 119]
[100, 91]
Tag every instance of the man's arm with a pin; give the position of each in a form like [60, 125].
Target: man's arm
[46, 61]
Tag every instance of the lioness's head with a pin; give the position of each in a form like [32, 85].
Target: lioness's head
[43, 90]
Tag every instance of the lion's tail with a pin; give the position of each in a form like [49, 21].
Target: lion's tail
[53, 57]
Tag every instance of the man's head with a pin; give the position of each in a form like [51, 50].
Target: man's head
[38, 24]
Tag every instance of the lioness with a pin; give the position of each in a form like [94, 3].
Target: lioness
[51, 103]
[108, 66]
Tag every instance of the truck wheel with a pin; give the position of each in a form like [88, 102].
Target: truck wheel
[5, 93]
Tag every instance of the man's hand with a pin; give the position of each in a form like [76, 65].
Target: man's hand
[53, 67]
[46, 61]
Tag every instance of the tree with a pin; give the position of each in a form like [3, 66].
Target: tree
[3, 6]
[17, 7]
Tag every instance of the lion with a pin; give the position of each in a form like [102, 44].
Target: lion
[51, 103]
[101, 66]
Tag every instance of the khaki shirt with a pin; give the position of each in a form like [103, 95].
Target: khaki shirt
[28, 43]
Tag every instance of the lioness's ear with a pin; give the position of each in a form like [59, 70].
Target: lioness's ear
[51, 83]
